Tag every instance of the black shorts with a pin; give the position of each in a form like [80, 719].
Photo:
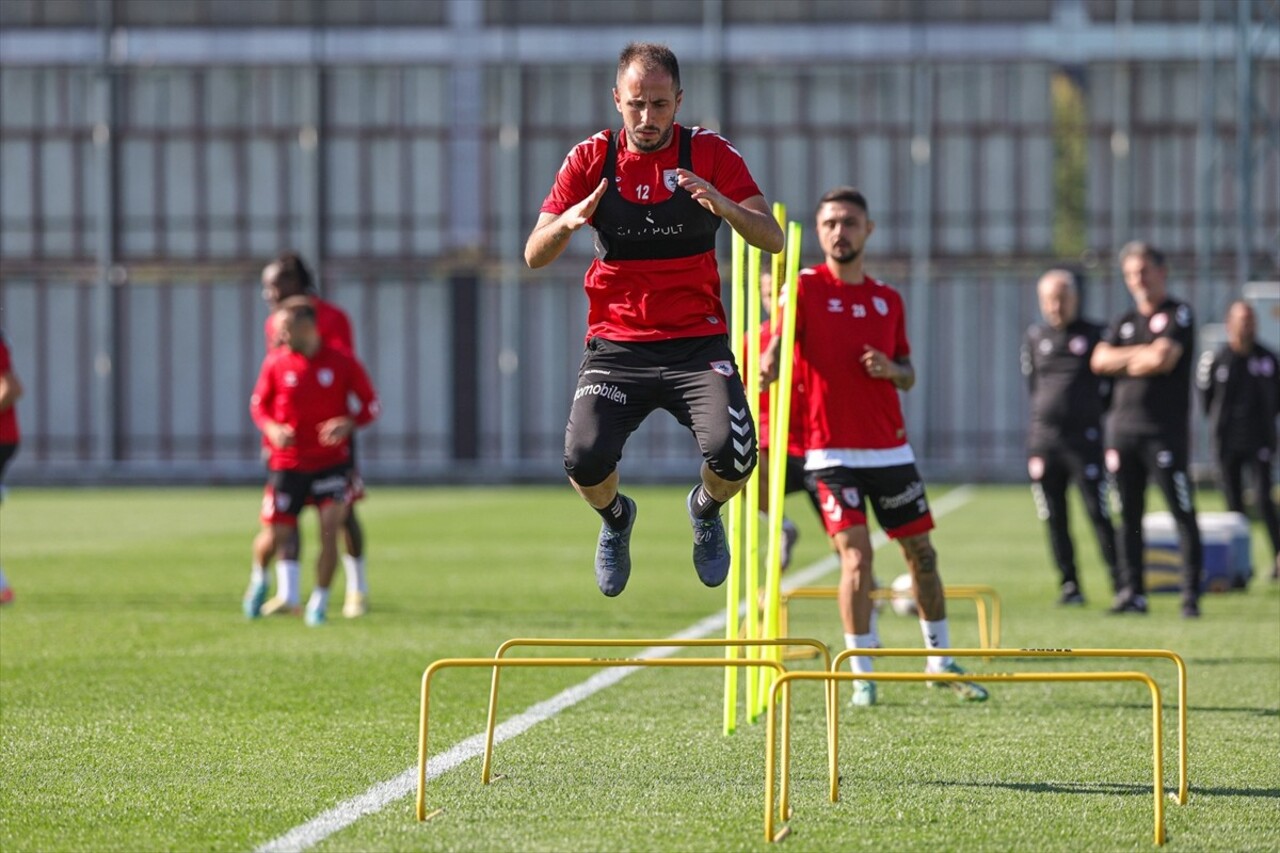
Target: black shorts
[896, 493]
[619, 384]
[6, 453]
[288, 492]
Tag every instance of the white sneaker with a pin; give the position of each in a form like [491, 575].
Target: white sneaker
[864, 694]
[355, 605]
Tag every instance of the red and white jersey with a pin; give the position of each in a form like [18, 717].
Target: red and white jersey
[9, 417]
[853, 420]
[331, 321]
[304, 393]
[652, 300]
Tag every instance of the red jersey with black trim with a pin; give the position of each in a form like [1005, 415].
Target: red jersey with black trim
[796, 432]
[304, 393]
[836, 321]
[332, 323]
[9, 417]
[652, 300]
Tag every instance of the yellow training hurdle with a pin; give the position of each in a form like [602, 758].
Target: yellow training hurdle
[782, 685]
[818, 648]
[1050, 653]
[986, 602]
[456, 663]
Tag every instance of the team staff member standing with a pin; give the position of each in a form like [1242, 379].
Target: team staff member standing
[301, 402]
[10, 391]
[655, 193]
[853, 356]
[1240, 388]
[1064, 442]
[1148, 352]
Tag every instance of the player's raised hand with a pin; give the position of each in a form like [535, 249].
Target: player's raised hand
[580, 214]
[702, 191]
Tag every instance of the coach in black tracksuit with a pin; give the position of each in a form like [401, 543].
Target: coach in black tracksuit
[1064, 441]
[1240, 389]
[1148, 351]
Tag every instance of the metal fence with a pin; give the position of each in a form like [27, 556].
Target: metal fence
[151, 167]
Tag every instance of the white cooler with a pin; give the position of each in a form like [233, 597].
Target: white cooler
[1228, 562]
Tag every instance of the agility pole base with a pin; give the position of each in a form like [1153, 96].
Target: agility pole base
[986, 601]
[775, 766]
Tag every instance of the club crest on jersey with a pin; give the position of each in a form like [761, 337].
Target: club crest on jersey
[1078, 345]
[325, 377]
[1126, 330]
[849, 495]
[724, 368]
[1046, 346]
[291, 379]
[670, 179]
[1158, 323]
[835, 305]
[882, 307]
[1183, 316]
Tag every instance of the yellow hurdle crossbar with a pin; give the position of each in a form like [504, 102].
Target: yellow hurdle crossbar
[986, 602]
[817, 647]
[775, 767]
[1133, 654]
[476, 663]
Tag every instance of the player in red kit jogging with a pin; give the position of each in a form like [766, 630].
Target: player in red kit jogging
[10, 391]
[301, 403]
[655, 193]
[285, 277]
[853, 356]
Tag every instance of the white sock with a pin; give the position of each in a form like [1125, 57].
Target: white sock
[936, 636]
[289, 581]
[861, 663]
[257, 574]
[353, 568]
[319, 600]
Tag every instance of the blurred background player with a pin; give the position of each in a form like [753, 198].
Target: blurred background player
[1064, 441]
[1240, 389]
[853, 356]
[655, 193]
[1148, 353]
[284, 278]
[797, 479]
[10, 391]
[301, 402]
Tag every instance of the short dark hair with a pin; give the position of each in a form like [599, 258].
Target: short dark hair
[851, 195]
[298, 308]
[650, 56]
[292, 270]
[1138, 247]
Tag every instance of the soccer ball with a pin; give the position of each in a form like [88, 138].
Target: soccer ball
[904, 597]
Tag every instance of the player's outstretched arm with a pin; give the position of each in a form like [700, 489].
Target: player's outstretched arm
[551, 233]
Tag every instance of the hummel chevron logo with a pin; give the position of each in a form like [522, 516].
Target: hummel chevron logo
[741, 466]
[738, 414]
[743, 449]
[740, 429]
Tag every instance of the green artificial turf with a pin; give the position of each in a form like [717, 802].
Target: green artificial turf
[140, 711]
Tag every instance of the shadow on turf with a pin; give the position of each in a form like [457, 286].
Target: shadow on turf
[1109, 788]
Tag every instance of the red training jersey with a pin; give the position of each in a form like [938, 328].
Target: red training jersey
[652, 300]
[796, 433]
[9, 417]
[331, 322]
[304, 393]
[845, 408]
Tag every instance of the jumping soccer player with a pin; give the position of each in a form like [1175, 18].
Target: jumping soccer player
[655, 193]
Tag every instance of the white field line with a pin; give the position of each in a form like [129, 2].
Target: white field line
[384, 793]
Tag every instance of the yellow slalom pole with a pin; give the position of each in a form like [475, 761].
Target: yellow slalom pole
[751, 494]
[736, 328]
[780, 427]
